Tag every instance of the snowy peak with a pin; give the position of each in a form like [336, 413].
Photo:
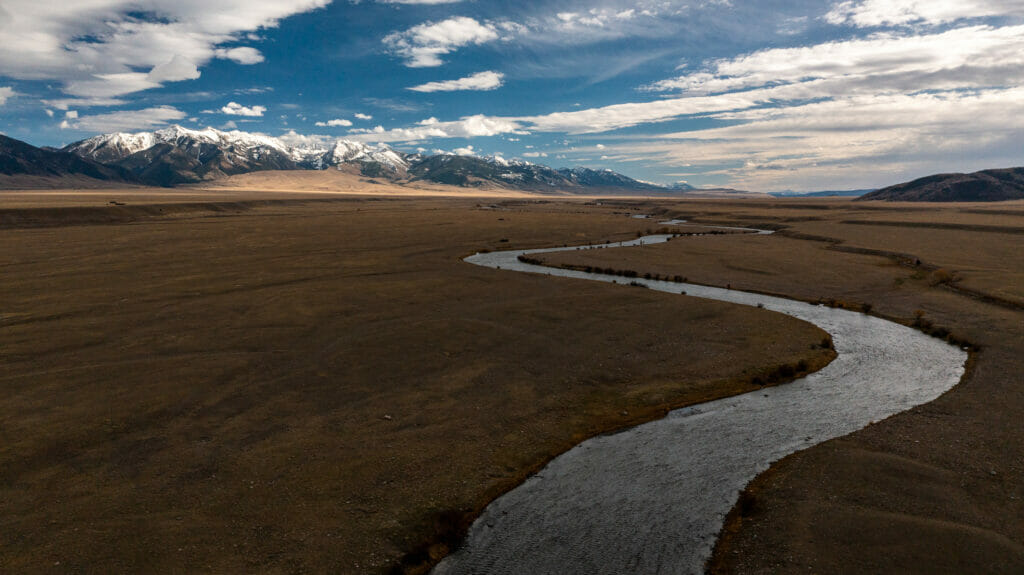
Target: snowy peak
[347, 151]
[112, 147]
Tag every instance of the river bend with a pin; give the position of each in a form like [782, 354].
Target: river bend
[652, 499]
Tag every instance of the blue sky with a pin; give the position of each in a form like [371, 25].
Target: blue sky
[766, 95]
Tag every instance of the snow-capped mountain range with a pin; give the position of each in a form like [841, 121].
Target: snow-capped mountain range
[177, 155]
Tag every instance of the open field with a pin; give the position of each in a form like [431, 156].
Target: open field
[935, 490]
[321, 385]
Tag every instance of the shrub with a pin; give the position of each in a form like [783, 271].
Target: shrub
[942, 277]
[528, 260]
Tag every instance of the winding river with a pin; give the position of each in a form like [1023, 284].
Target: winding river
[653, 498]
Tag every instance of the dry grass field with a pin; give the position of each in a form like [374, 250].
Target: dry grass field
[295, 383]
[938, 489]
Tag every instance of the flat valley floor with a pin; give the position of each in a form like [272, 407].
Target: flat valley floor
[279, 383]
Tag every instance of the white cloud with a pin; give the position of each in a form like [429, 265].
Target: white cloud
[106, 86]
[97, 48]
[467, 151]
[873, 13]
[49, 112]
[125, 121]
[480, 81]
[467, 127]
[6, 92]
[963, 57]
[176, 69]
[363, 116]
[65, 103]
[418, 1]
[534, 155]
[236, 109]
[310, 141]
[242, 55]
[71, 114]
[614, 20]
[334, 123]
[423, 45]
[595, 17]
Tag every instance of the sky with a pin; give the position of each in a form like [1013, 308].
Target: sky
[768, 96]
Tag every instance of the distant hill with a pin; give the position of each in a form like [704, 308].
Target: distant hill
[23, 165]
[983, 186]
[497, 172]
[473, 171]
[823, 194]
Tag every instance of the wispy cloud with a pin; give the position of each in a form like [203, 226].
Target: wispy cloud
[394, 104]
[125, 121]
[960, 58]
[874, 13]
[423, 46]
[65, 103]
[479, 81]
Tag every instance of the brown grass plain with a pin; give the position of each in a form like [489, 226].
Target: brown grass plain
[228, 381]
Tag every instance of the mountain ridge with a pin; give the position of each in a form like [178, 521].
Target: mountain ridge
[984, 186]
[177, 155]
[21, 162]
